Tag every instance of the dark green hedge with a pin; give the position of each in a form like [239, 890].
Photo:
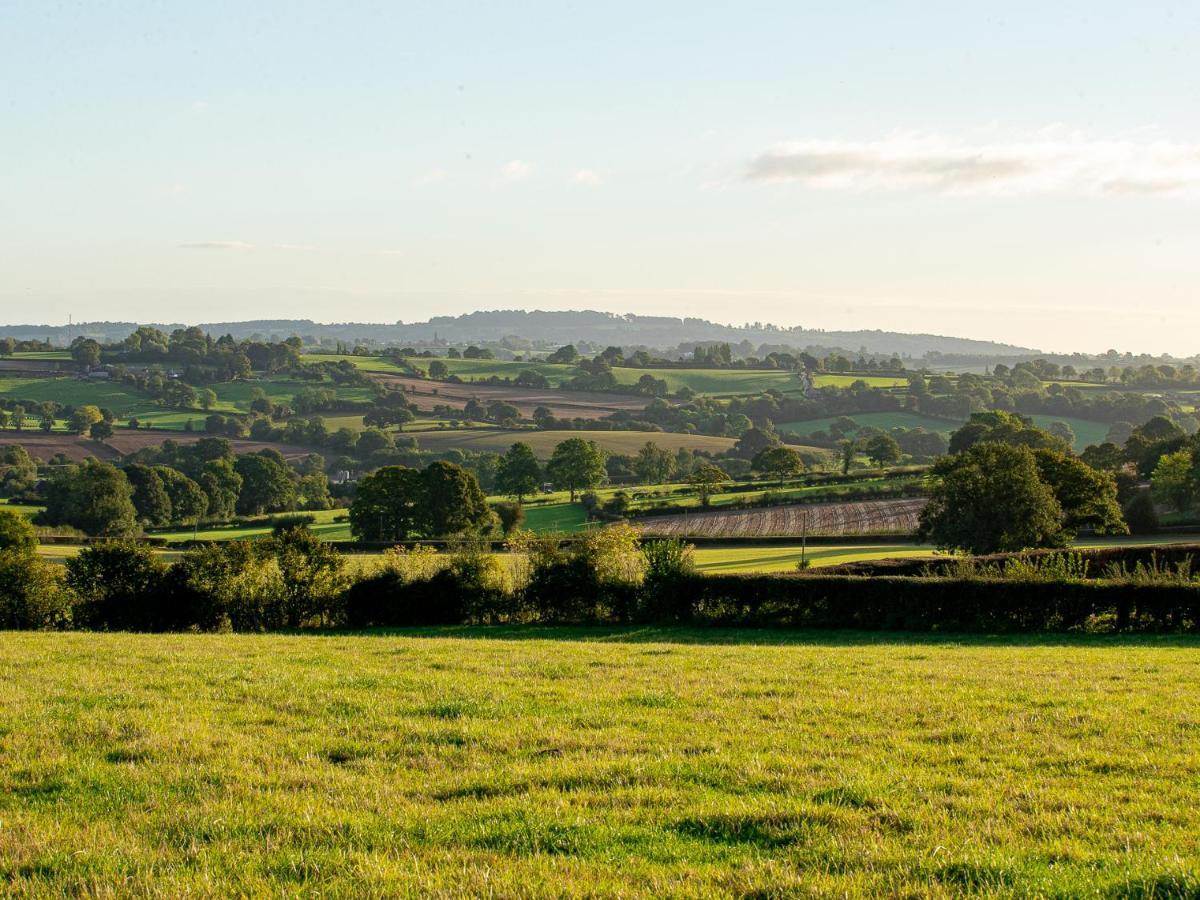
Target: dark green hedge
[937, 604]
[1098, 558]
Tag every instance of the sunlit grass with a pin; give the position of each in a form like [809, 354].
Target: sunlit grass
[551, 763]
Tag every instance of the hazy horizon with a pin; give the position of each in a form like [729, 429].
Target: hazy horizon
[1029, 177]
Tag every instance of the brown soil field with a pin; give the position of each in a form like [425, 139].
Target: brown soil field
[425, 395]
[867, 517]
[75, 448]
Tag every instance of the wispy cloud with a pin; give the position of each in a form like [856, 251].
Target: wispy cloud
[586, 176]
[217, 245]
[516, 170]
[1044, 163]
[244, 245]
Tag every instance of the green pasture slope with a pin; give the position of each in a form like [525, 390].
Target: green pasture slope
[495, 440]
[1086, 432]
[883, 420]
[615, 762]
[727, 382]
[124, 401]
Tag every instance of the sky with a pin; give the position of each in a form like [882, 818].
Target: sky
[1022, 172]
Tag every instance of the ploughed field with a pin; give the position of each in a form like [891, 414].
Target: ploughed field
[546, 762]
[123, 441]
[866, 517]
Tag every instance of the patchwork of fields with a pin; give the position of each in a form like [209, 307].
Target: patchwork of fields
[542, 762]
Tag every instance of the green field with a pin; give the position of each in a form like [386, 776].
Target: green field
[496, 440]
[875, 381]
[884, 420]
[124, 401]
[542, 762]
[726, 382]
[1086, 432]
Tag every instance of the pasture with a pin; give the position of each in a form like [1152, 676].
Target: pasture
[1086, 431]
[883, 420]
[547, 762]
[496, 440]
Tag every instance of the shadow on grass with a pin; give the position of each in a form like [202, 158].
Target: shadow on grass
[635, 634]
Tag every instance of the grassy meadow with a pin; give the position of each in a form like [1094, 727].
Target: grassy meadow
[543, 762]
[497, 440]
[883, 420]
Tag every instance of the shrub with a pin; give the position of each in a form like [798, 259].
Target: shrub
[280, 524]
[226, 586]
[120, 586]
[16, 532]
[1140, 514]
[312, 578]
[669, 563]
[511, 516]
[31, 594]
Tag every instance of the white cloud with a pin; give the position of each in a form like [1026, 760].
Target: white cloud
[586, 176]
[199, 106]
[244, 245]
[1048, 162]
[217, 245]
[434, 176]
[516, 170]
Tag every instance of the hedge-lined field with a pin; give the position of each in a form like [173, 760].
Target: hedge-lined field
[550, 762]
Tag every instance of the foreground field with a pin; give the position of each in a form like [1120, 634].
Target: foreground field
[542, 762]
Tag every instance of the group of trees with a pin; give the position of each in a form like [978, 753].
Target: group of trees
[1008, 485]
[180, 486]
[395, 503]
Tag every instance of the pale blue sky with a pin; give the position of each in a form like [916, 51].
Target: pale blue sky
[993, 170]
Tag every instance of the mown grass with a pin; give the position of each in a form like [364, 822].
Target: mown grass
[560, 763]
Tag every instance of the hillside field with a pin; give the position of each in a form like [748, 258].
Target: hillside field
[1086, 432]
[544, 762]
[498, 440]
[883, 420]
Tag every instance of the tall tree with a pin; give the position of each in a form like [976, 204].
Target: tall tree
[518, 472]
[882, 449]
[706, 479]
[188, 500]
[778, 462]
[388, 505]
[454, 502]
[266, 484]
[94, 497]
[150, 497]
[991, 498]
[577, 463]
[654, 464]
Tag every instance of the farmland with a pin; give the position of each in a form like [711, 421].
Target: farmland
[868, 517]
[1086, 432]
[124, 441]
[545, 762]
[882, 420]
[714, 382]
[543, 442]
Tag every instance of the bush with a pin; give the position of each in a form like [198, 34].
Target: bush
[669, 564]
[1140, 514]
[511, 516]
[312, 578]
[280, 524]
[228, 586]
[17, 532]
[119, 586]
[31, 594]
